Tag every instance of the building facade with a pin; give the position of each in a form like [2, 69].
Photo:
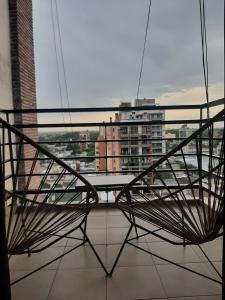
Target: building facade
[141, 143]
[17, 72]
[100, 150]
[108, 146]
[130, 146]
[84, 137]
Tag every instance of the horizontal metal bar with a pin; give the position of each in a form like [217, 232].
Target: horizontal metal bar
[108, 109]
[97, 172]
[115, 140]
[101, 187]
[109, 124]
[204, 188]
[86, 173]
[214, 103]
[147, 155]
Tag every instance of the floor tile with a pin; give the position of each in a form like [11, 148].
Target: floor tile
[212, 249]
[180, 283]
[117, 221]
[130, 256]
[35, 287]
[218, 266]
[79, 284]
[97, 212]
[138, 275]
[116, 235]
[155, 299]
[25, 262]
[76, 234]
[96, 222]
[134, 283]
[151, 238]
[83, 258]
[96, 236]
[114, 212]
[216, 297]
[61, 243]
[176, 253]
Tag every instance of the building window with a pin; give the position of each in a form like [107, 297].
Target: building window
[124, 151]
[156, 127]
[124, 142]
[157, 151]
[156, 116]
[146, 129]
[123, 130]
[145, 150]
[134, 129]
[134, 150]
[144, 139]
[157, 145]
[134, 141]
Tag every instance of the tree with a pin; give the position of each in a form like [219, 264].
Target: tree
[74, 147]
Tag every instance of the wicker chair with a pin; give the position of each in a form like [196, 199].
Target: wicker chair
[39, 207]
[188, 208]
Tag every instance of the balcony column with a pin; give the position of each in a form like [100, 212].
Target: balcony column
[5, 292]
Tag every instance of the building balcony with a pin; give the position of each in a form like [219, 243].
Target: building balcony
[138, 275]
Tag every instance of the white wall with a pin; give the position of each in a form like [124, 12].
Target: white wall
[6, 100]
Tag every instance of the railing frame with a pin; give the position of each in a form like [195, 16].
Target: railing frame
[4, 269]
[200, 121]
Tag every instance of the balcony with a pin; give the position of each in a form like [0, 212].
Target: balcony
[138, 275]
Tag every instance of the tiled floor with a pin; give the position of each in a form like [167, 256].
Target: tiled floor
[137, 276]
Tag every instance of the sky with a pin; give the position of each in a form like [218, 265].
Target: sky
[102, 44]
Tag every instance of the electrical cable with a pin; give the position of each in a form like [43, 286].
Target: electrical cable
[204, 51]
[62, 57]
[143, 51]
[57, 59]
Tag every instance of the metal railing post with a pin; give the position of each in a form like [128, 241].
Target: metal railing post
[5, 291]
[106, 159]
[223, 273]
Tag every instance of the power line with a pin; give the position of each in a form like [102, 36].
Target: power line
[62, 57]
[57, 58]
[143, 51]
[204, 50]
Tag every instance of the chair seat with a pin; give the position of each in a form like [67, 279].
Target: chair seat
[191, 208]
[184, 221]
[43, 226]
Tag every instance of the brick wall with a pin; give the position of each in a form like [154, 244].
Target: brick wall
[23, 70]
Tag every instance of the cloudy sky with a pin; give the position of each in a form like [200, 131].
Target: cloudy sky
[102, 44]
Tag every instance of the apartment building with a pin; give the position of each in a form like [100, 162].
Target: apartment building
[141, 143]
[108, 145]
